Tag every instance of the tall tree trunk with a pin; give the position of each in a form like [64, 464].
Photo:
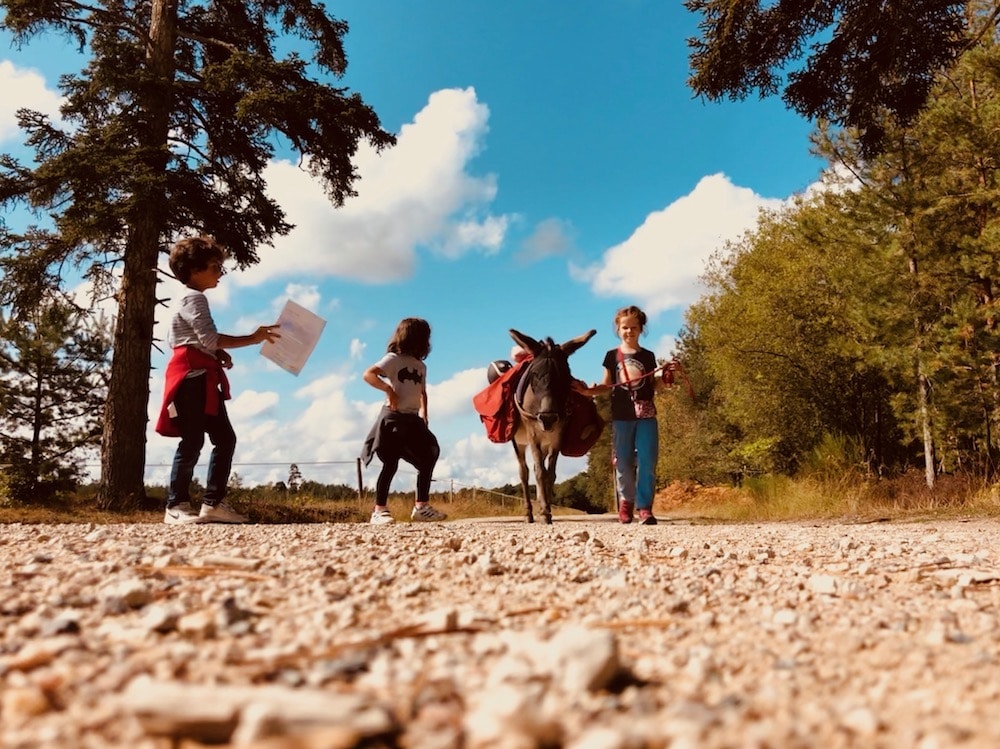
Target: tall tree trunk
[928, 432]
[36, 432]
[123, 442]
[923, 398]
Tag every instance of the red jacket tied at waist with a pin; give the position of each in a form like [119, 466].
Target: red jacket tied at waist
[184, 360]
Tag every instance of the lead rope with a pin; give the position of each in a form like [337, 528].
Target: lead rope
[614, 455]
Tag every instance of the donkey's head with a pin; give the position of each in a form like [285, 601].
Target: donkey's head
[545, 384]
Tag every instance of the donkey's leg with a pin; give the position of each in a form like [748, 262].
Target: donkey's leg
[519, 451]
[549, 481]
[542, 482]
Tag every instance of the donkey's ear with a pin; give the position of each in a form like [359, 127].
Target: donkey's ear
[526, 342]
[572, 345]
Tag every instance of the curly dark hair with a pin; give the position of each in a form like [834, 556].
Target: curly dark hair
[193, 254]
[412, 337]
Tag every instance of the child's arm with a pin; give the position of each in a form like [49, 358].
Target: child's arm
[374, 376]
[598, 387]
[263, 333]
[423, 404]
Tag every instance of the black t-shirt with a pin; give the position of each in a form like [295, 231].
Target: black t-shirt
[641, 388]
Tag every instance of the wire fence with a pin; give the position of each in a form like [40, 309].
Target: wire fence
[439, 485]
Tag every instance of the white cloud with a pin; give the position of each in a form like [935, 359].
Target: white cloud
[305, 295]
[487, 234]
[482, 463]
[453, 397]
[478, 462]
[413, 195]
[660, 264]
[357, 349]
[23, 88]
[551, 237]
[665, 347]
[329, 416]
[250, 404]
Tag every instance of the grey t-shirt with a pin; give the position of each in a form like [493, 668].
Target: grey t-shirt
[407, 376]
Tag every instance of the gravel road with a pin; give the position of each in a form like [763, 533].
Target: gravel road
[585, 634]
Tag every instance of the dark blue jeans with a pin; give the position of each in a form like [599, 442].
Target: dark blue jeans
[194, 424]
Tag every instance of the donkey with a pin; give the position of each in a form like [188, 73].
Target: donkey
[541, 396]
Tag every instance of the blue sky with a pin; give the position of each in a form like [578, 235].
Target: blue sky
[551, 166]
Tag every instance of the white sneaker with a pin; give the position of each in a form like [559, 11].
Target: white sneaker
[381, 516]
[221, 513]
[426, 513]
[181, 514]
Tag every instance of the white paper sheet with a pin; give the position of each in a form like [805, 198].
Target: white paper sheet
[300, 330]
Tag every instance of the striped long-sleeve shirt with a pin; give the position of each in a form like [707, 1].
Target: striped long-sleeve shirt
[192, 325]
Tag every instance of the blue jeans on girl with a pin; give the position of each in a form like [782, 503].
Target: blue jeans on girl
[636, 445]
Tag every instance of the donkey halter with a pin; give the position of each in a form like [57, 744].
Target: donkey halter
[522, 386]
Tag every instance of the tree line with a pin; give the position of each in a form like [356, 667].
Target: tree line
[865, 316]
[857, 329]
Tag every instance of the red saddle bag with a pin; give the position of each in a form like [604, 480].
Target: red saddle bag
[495, 405]
[498, 412]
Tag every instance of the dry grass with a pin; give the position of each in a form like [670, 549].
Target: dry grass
[851, 499]
[758, 500]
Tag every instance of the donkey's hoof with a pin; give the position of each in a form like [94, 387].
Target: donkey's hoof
[548, 520]
[531, 519]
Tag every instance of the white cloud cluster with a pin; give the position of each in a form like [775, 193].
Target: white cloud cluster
[660, 264]
[415, 195]
[23, 89]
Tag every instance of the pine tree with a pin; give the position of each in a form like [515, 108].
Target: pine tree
[294, 478]
[862, 59]
[53, 371]
[935, 193]
[167, 131]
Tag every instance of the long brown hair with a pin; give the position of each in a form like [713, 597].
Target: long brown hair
[412, 337]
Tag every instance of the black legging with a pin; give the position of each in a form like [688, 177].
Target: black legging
[408, 440]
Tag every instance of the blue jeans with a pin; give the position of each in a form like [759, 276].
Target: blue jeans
[636, 445]
[194, 424]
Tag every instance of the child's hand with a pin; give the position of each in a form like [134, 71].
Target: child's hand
[267, 333]
[224, 359]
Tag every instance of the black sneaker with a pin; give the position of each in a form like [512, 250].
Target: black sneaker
[646, 517]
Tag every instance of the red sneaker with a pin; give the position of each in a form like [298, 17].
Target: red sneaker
[625, 512]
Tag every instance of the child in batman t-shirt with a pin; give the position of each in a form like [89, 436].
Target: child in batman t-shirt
[401, 431]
